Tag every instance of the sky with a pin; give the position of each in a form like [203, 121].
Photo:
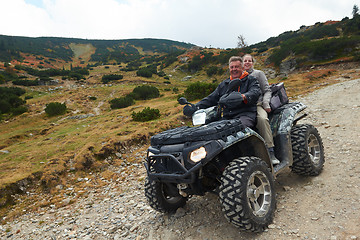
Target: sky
[205, 23]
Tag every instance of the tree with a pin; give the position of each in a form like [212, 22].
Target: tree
[241, 42]
[355, 11]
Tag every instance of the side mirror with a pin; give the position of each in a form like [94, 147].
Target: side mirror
[183, 101]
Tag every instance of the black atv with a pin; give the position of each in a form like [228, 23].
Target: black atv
[232, 161]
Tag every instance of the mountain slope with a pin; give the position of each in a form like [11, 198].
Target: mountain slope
[11, 48]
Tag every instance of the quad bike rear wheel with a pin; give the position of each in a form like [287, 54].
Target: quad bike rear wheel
[308, 150]
[247, 194]
[162, 197]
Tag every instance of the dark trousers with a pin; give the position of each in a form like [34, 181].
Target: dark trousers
[246, 120]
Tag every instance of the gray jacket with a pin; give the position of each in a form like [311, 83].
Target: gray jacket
[264, 99]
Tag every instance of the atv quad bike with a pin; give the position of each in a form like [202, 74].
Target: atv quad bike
[228, 159]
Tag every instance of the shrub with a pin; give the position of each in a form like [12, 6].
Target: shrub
[92, 98]
[175, 90]
[55, 108]
[144, 72]
[110, 77]
[122, 102]
[2, 79]
[161, 74]
[212, 71]
[5, 106]
[147, 114]
[145, 92]
[26, 82]
[19, 110]
[10, 99]
[76, 76]
[199, 90]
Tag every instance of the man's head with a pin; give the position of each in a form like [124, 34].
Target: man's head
[235, 67]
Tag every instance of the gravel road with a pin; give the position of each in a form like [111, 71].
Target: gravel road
[322, 207]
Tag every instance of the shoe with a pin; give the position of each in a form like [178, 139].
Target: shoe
[273, 159]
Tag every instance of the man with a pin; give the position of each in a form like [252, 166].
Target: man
[263, 106]
[237, 96]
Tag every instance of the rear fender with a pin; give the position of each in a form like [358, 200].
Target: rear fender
[281, 122]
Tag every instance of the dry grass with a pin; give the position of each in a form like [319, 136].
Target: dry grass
[33, 140]
[53, 146]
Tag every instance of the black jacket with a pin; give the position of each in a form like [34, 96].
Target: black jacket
[249, 87]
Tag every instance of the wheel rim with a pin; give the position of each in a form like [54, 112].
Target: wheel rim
[314, 149]
[169, 199]
[259, 194]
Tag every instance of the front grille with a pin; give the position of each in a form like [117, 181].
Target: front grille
[166, 164]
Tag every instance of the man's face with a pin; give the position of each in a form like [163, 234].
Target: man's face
[235, 69]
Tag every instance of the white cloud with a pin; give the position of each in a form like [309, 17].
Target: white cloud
[206, 23]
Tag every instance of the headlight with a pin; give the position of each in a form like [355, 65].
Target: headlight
[198, 154]
[150, 154]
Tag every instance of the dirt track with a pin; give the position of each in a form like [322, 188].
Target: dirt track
[322, 207]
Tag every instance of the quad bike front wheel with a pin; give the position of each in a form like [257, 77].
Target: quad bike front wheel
[308, 150]
[162, 197]
[247, 194]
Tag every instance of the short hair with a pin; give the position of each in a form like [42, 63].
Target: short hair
[252, 58]
[234, 59]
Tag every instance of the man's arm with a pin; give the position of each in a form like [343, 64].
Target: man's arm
[254, 91]
[211, 100]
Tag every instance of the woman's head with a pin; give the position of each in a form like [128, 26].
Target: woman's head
[248, 62]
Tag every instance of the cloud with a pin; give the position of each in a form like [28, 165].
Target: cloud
[208, 23]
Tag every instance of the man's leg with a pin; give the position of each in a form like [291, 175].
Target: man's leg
[247, 121]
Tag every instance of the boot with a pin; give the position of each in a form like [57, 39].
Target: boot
[273, 159]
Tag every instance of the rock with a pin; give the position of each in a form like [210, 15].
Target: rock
[186, 78]
[286, 188]
[180, 212]
[287, 66]
[272, 226]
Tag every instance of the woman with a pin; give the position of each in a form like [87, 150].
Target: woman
[263, 105]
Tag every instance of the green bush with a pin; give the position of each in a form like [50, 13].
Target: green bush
[2, 79]
[55, 108]
[147, 114]
[111, 77]
[122, 102]
[28, 97]
[161, 74]
[26, 82]
[5, 106]
[212, 70]
[145, 92]
[199, 90]
[19, 110]
[144, 72]
[10, 101]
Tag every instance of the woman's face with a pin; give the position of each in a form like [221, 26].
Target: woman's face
[247, 63]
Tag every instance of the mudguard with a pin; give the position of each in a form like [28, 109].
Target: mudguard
[281, 122]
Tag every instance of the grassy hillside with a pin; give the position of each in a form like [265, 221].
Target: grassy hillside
[91, 136]
[101, 51]
[317, 44]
